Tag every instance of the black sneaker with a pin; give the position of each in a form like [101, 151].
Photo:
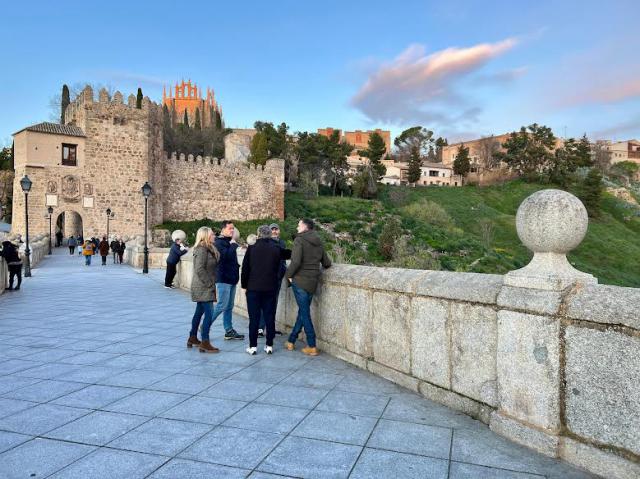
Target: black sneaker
[261, 333]
[232, 334]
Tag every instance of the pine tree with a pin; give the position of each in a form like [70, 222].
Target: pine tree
[196, 123]
[591, 193]
[462, 164]
[415, 162]
[259, 151]
[139, 99]
[376, 150]
[583, 152]
[185, 119]
[65, 102]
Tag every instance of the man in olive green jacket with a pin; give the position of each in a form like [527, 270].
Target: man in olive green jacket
[303, 273]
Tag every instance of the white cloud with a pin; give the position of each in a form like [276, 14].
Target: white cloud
[421, 87]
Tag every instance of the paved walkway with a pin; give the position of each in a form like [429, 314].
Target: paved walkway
[95, 381]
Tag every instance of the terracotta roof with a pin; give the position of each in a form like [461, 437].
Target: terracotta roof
[54, 129]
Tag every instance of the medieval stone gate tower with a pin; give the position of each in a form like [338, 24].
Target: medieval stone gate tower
[104, 153]
[98, 159]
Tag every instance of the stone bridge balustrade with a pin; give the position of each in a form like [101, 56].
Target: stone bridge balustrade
[544, 355]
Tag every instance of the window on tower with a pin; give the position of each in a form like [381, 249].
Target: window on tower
[69, 157]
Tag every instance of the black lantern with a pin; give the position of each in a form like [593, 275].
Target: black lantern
[110, 215]
[26, 183]
[146, 192]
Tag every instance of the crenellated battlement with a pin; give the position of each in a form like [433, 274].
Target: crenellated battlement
[273, 165]
[75, 112]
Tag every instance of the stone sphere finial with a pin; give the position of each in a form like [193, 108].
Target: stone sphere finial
[179, 234]
[551, 221]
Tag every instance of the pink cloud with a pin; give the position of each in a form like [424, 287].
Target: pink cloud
[415, 86]
[611, 92]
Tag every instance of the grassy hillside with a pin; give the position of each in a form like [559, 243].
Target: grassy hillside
[458, 229]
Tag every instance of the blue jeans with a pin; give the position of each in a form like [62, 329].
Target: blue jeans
[87, 260]
[303, 320]
[205, 308]
[226, 299]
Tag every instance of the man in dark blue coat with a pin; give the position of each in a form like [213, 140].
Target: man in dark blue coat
[176, 251]
[227, 277]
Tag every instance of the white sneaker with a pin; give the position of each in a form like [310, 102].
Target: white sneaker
[268, 349]
[252, 351]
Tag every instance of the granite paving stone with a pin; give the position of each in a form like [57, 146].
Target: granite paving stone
[267, 418]
[412, 438]
[337, 427]
[41, 419]
[45, 391]
[112, 464]
[460, 470]
[236, 389]
[310, 458]
[94, 396]
[184, 383]
[233, 447]
[354, 403]
[293, 396]
[166, 437]
[40, 458]
[146, 403]
[9, 440]
[10, 406]
[183, 469]
[393, 465]
[97, 428]
[204, 410]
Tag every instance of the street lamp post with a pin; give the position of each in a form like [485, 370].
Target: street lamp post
[26, 183]
[146, 192]
[50, 211]
[108, 217]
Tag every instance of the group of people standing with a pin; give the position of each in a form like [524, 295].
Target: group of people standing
[216, 274]
[92, 246]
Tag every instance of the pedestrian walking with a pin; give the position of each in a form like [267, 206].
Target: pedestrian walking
[259, 279]
[87, 252]
[96, 243]
[114, 248]
[72, 243]
[59, 237]
[303, 273]
[12, 257]
[176, 251]
[121, 247]
[103, 247]
[275, 236]
[80, 244]
[227, 278]
[203, 288]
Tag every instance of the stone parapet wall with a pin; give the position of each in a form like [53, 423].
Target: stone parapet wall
[554, 371]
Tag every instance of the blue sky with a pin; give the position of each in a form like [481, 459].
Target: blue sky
[460, 68]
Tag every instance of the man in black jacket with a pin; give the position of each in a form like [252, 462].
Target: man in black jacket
[227, 277]
[260, 269]
[12, 257]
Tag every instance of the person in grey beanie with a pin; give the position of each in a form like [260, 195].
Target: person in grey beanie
[259, 278]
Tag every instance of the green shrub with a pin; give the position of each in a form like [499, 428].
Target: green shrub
[429, 212]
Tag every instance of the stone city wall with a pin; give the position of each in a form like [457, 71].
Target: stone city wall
[544, 355]
[202, 188]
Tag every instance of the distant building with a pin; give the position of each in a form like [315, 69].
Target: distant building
[187, 97]
[359, 139]
[432, 174]
[624, 151]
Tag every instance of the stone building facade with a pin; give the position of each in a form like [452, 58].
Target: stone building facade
[104, 154]
[188, 97]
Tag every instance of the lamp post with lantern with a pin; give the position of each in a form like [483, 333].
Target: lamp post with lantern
[25, 184]
[146, 192]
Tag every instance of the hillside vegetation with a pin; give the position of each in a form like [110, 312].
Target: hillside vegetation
[459, 229]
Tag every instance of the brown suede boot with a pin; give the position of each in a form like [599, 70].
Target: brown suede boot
[310, 351]
[207, 347]
[193, 341]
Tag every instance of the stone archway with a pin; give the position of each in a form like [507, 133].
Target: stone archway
[70, 223]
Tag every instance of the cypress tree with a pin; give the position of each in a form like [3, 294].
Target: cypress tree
[197, 124]
[462, 165]
[591, 193]
[65, 102]
[218, 120]
[139, 99]
[415, 162]
[185, 119]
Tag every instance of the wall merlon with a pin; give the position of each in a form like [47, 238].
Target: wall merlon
[117, 98]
